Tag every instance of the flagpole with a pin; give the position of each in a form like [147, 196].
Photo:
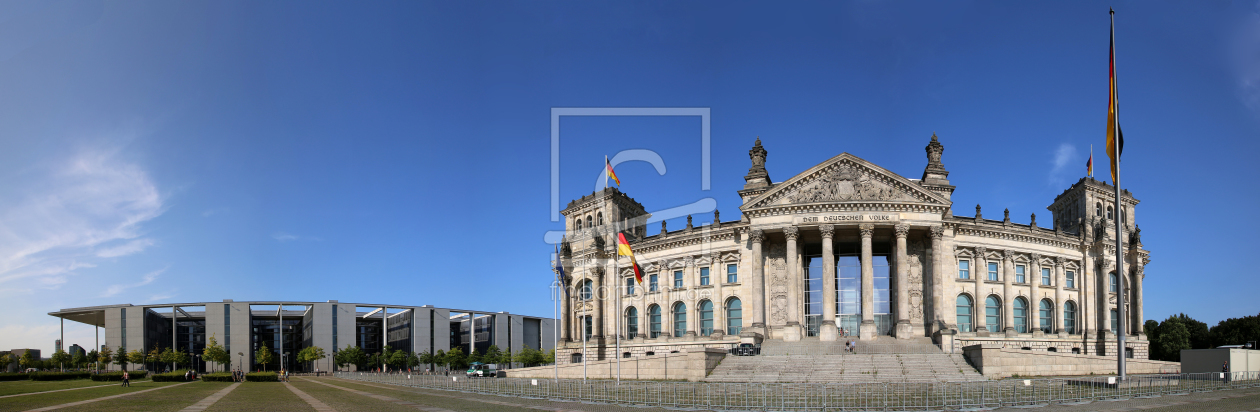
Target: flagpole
[617, 290]
[1120, 274]
[1091, 160]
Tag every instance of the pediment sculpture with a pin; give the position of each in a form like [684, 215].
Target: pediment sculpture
[846, 182]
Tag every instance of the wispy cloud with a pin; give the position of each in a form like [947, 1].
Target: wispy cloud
[1064, 156]
[288, 237]
[148, 278]
[1247, 61]
[215, 211]
[134, 246]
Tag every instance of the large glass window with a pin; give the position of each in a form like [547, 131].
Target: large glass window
[652, 283]
[993, 314]
[964, 269]
[680, 319]
[1113, 281]
[654, 321]
[883, 306]
[586, 290]
[1019, 274]
[1115, 318]
[734, 317]
[589, 326]
[632, 323]
[1070, 279]
[1045, 276]
[1045, 316]
[813, 289]
[964, 314]
[732, 273]
[993, 275]
[704, 276]
[848, 294]
[1069, 317]
[706, 318]
[1021, 315]
[630, 286]
[678, 279]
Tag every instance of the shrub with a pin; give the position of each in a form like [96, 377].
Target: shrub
[174, 376]
[262, 377]
[13, 377]
[59, 376]
[217, 377]
[117, 376]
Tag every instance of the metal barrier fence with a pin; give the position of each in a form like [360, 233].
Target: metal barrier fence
[828, 397]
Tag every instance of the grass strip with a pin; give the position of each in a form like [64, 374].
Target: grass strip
[104, 398]
[351, 400]
[29, 387]
[173, 399]
[21, 403]
[260, 397]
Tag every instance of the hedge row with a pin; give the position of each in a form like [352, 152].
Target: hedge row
[262, 377]
[117, 376]
[13, 377]
[59, 376]
[217, 377]
[173, 376]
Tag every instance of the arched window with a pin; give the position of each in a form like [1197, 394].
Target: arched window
[734, 317]
[1110, 215]
[578, 224]
[680, 319]
[600, 219]
[993, 314]
[586, 290]
[589, 223]
[964, 314]
[706, 318]
[1045, 316]
[589, 325]
[1115, 320]
[1113, 281]
[632, 323]
[1122, 209]
[1098, 209]
[1021, 315]
[1069, 317]
[654, 321]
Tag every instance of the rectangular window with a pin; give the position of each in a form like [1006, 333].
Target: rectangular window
[732, 274]
[630, 286]
[227, 328]
[704, 276]
[1045, 276]
[993, 271]
[652, 283]
[678, 284]
[124, 327]
[1071, 279]
[964, 269]
[334, 327]
[1019, 274]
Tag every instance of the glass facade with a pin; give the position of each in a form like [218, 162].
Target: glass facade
[813, 290]
[848, 294]
[268, 330]
[964, 314]
[883, 305]
[734, 317]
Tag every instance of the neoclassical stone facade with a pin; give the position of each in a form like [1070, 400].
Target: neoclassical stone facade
[848, 250]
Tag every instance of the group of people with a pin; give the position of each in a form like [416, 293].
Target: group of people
[851, 346]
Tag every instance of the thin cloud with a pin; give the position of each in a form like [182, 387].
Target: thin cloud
[1064, 157]
[212, 212]
[288, 237]
[148, 278]
[135, 246]
[1246, 60]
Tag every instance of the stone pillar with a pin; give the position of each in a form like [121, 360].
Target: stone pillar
[1102, 293]
[1135, 302]
[1033, 276]
[902, 277]
[792, 332]
[1008, 292]
[690, 276]
[828, 330]
[758, 301]
[717, 276]
[980, 272]
[566, 313]
[597, 324]
[937, 281]
[1060, 278]
[866, 330]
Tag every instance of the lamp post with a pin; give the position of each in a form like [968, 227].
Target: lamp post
[240, 356]
[196, 363]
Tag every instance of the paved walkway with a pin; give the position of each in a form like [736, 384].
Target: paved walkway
[210, 400]
[383, 398]
[310, 400]
[67, 405]
[1235, 400]
[59, 390]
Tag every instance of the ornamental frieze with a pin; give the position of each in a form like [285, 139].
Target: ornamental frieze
[845, 182]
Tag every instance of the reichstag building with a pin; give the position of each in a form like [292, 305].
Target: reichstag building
[848, 250]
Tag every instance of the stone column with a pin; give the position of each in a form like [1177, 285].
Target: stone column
[828, 330]
[597, 324]
[1102, 295]
[566, 313]
[902, 277]
[1008, 292]
[717, 275]
[866, 330]
[937, 281]
[1034, 297]
[1135, 305]
[758, 279]
[792, 332]
[1060, 278]
[980, 272]
[690, 276]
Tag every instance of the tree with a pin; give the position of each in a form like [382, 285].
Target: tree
[170, 356]
[136, 356]
[5, 359]
[26, 361]
[413, 360]
[1236, 331]
[92, 357]
[440, 358]
[1200, 336]
[505, 359]
[154, 356]
[455, 359]
[105, 356]
[1171, 338]
[550, 357]
[311, 354]
[351, 355]
[120, 357]
[398, 359]
[427, 358]
[263, 356]
[78, 359]
[215, 353]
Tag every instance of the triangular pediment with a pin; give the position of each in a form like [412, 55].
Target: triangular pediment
[843, 179]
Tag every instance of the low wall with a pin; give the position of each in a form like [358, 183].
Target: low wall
[691, 366]
[996, 362]
[1211, 360]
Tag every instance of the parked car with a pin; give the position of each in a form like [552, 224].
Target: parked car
[481, 370]
[746, 349]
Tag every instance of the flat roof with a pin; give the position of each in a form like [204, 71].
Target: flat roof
[95, 315]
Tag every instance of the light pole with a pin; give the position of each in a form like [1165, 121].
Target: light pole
[240, 356]
[196, 363]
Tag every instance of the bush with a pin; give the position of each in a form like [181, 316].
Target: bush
[117, 376]
[262, 377]
[217, 377]
[13, 377]
[59, 376]
[174, 376]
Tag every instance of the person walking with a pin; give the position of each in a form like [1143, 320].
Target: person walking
[126, 379]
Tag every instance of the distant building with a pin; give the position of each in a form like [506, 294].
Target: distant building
[14, 365]
[77, 349]
[57, 345]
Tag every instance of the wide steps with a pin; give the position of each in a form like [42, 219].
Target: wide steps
[849, 368]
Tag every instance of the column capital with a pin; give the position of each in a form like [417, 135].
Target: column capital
[1059, 261]
[827, 231]
[937, 232]
[757, 235]
[867, 230]
[901, 229]
[980, 252]
[791, 233]
[1008, 255]
[1036, 258]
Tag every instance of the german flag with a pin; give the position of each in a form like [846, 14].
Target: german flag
[1113, 128]
[610, 172]
[623, 249]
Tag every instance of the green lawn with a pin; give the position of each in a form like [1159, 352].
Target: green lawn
[260, 397]
[172, 399]
[17, 387]
[21, 403]
[344, 401]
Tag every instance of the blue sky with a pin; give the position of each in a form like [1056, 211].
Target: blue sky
[398, 152]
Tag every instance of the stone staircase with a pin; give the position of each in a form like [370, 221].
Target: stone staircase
[812, 361]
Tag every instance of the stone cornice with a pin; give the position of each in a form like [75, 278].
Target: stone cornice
[1020, 233]
[871, 206]
[682, 238]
